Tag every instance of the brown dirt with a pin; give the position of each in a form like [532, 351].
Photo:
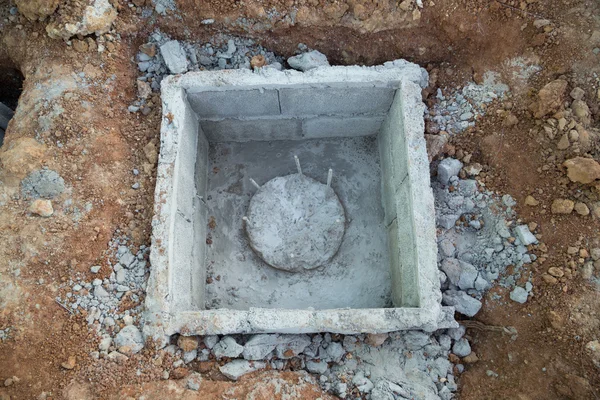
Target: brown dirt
[460, 39]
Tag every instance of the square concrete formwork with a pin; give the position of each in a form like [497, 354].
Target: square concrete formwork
[204, 110]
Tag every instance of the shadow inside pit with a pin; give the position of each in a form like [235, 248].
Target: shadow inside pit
[11, 84]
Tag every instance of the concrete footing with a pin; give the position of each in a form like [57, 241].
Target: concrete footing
[390, 210]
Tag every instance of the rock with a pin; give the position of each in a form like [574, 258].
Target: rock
[100, 293]
[179, 373]
[556, 320]
[43, 183]
[144, 89]
[582, 209]
[174, 57]
[95, 269]
[194, 381]
[227, 347]
[593, 350]
[556, 272]
[335, 351]
[316, 367]
[511, 120]
[508, 201]
[435, 144]
[415, 340]
[466, 116]
[258, 61]
[148, 49]
[519, 295]
[471, 358]
[210, 341]
[105, 343]
[462, 302]
[448, 168]
[37, 9]
[550, 98]
[259, 346]
[237, 368]
[187, 343]
[80, 46]
[307, 61]
[563, 143]
[129, 340]
[83, 20]
[587, 272]
[549, 279]
[189, 356]
[363, 384]
[596, 209]
[41, 207]
[539, 23]
[581, 111]
[460, 273]
[577, 93]
[376, 339]
[127, 259]
[473, 169]
[531, 201]
[582, 170]
[70, 363]
[562, 206]
[524, 235]
[461, 347]
[291, 345]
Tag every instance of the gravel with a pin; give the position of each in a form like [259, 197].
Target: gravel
[457, 109]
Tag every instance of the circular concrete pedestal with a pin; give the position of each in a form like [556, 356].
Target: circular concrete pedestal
[295, 223]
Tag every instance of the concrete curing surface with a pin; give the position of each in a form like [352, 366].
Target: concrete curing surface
[295, 223]
[357, 277]
[220, 129]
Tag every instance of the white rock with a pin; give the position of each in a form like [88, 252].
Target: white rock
[310, 60]
[316, 367]
[236, 368]
[525, 235]
[461, 347]
[259, 346]
[129, 340]
[174, 57]
[227, 347]
[448, 168]
[519, 295]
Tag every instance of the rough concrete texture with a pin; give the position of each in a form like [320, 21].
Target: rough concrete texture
[43, 183]
[357, 277]
[295, 223]
[414, 276]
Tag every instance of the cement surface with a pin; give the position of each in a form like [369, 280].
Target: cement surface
[295, 223]
[358, 275]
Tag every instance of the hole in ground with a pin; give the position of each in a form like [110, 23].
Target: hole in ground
[11, 82]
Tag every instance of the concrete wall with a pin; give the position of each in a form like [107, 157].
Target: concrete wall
[408, 202]
[294, 112]
[335, 101]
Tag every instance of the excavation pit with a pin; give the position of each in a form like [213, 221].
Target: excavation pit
[376, 272]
